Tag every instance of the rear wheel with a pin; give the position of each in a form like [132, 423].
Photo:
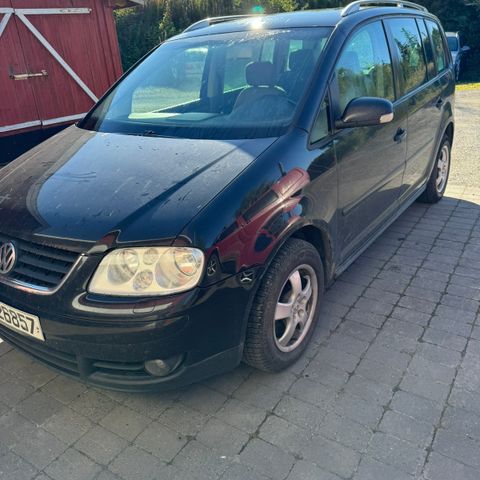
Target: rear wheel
[285, 310]
[438, 180]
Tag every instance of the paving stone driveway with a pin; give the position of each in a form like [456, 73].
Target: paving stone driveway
[388, 390]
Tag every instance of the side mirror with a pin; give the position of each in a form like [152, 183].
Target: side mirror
[366, 112]
[465, 49]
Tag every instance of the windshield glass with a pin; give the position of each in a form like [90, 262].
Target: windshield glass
[228, 86]
[453, 44]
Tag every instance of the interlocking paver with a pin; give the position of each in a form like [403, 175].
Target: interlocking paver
[67, 425]
[74, 466]
[12, 467]
[267, 459]
[332, 456]
[444, 468]
[309, 471]
[134, 463]
[444, 339]
[407, 428]
[125, 422]
[161, 441]
[241, 415]
[300, 413]
[285, 435]
[345, 431]
[371, 469]
[101, 445]
[458, 447]
[221, 436]
[396, 452]
[38, 407]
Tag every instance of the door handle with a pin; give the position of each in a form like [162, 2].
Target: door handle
[25, 76]
[439, 103]
[400, 135]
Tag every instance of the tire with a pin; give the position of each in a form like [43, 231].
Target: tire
[266, 345]
[441, 171]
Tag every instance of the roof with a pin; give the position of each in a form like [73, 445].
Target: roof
[304, 18]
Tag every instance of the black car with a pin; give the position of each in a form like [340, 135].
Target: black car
[196, 215]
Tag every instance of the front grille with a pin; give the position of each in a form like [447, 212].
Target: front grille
[42, 266]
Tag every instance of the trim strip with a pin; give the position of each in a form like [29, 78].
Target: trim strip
[51, 11]
[35, 123]
[20, 126]
[53, 121]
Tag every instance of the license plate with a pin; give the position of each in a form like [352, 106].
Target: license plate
[21, 322]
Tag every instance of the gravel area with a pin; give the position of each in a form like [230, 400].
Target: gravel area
[466, 151]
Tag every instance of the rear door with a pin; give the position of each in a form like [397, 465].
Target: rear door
[371, 160]
[420, 94]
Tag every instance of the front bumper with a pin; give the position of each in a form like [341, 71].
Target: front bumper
[106, 343]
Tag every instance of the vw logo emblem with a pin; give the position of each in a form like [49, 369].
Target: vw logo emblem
[8, 257]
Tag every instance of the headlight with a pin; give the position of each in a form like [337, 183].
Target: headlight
[148, 271]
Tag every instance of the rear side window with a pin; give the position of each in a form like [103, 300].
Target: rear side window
[365, 66]
[407, 41]
[427, 47]
[438, 45]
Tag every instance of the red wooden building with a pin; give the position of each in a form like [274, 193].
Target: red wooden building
[57, 57]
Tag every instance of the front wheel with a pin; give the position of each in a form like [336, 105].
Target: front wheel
[438, 180]
[285, 310]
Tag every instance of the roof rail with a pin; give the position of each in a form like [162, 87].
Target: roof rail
[355, 7]
[206, 22]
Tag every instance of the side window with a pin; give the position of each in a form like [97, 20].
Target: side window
[438, 45]
[427, 47]
[365, 66]
[321, 127]
[410, 51]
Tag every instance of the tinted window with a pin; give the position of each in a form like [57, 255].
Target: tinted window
[453, 43]
[408, 44]
[438, 45]
[427, 47]
[365, 67]
[320, 129]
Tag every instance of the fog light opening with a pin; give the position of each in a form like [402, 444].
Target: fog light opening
[163, 367]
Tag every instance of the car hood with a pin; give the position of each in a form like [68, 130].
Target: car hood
[82, 185]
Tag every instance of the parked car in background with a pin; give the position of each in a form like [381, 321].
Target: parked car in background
[458, 51]
[196, 215]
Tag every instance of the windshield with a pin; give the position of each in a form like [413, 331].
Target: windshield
[228, 86]
[453, 44]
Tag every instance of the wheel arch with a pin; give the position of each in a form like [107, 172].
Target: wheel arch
[320, 239]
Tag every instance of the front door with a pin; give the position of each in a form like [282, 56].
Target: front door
[371, 160]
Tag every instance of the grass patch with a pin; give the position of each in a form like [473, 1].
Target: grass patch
[468, 86]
